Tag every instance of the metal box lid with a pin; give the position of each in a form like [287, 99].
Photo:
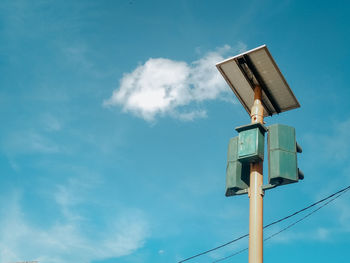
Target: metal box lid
[281, 137]
[251, 142]
[261, 127]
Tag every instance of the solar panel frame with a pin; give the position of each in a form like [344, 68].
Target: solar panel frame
[276, 94]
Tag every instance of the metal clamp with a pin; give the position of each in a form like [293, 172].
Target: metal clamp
[268, 186]
[242, 192]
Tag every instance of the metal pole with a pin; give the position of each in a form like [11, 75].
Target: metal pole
[256, 192]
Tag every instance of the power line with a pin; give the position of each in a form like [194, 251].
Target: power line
[308, 207]
[215, 248]
[286, 228]
[234, 254]
[268, 225]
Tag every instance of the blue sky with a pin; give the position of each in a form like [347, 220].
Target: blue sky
[115, 125]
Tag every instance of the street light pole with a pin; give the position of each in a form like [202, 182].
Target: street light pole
[255, 191]
[255, 73]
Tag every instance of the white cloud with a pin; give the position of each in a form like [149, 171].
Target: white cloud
[205, 78]
[163, 87]
[155, 87]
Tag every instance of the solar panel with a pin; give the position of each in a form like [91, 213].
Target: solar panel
[257, 67]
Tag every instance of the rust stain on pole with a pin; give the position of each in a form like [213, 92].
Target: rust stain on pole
[255, 191]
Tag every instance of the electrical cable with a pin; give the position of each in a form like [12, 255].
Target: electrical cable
[287, 227]
[268, 225]
[308, 207]
[230, 256]
[215, 248]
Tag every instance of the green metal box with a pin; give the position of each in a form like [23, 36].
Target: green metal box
[251, 142]
[237, 174]
[282, 155]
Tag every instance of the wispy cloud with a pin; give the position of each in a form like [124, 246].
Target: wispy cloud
[50, 123]
[333, 144]
[25, 142]
[320, 234]
[67, 240]
[342, 212]
[162, 86]
[334, 223]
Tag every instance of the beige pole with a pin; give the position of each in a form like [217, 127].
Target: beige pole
[256, 192]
